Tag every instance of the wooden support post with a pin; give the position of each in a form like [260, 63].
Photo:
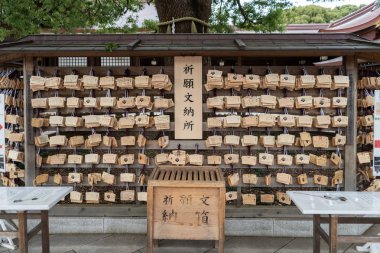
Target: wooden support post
[239, 199]
[30, 151]
[333, 235]
[350, 163]
[239, 61]
[22, 232]
[92, 61]
[135, 61]
[45, 231]
[316, 236]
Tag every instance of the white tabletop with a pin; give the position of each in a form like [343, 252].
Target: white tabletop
[31, 198]
[357, 203]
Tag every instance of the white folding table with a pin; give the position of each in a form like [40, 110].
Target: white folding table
[340, 207]
[29, 202]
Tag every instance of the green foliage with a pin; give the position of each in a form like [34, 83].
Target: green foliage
[111, 46]
[256, 15]
[270, 15]
[150, 25]
[23, 17]
[129, 27]
[221, 17]
[262, 15]
[317, 14]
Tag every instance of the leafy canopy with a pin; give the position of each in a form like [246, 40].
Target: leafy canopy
[271, 15]
[317, 14]
[256, 15]
[22, 17]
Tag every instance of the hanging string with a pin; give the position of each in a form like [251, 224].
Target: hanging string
[321, 111]
[341, 70]
[269, 71]
[126, 93]
[339, 130]
[339, 112]
[303, 92]
[304, 70]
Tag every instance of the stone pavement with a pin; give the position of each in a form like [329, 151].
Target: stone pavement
[136, 243]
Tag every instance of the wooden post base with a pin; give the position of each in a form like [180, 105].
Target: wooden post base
[332, 239]
[217, 244]
[22, 233]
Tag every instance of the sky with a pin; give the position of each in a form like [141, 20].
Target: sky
[329, 4]
[334, 3]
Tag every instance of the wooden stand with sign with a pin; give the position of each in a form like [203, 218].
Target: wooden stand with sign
[186, 203]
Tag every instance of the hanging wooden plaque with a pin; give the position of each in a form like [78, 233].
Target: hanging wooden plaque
[188, 97]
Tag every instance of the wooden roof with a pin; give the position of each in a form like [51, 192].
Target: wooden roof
[359, 20]
[305, 28]
[189, 44]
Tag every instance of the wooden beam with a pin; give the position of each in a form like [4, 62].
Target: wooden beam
[136, 68]
[30, 150]
[189, 145]
[133, 210]
[11, 234]
[358, 239]
[241, 44]
[323, 234]
[133, 44]
[163, 52]
[9, 57]
[34, 231]
[350, 62]
[12, 216]
[354, 220]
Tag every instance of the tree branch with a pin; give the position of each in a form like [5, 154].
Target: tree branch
[243, 12]
[220, 7]
[5, 26]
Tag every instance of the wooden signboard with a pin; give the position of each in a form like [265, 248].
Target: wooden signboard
[188, 97]
[186, 203]
[185, 213]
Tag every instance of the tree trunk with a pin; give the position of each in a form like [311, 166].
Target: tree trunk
[167, 9]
